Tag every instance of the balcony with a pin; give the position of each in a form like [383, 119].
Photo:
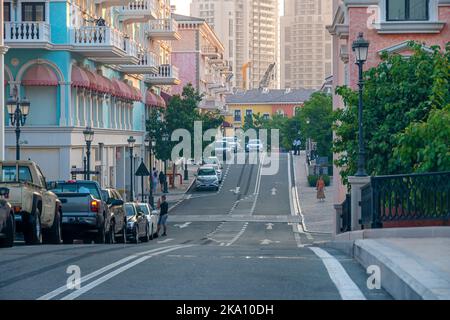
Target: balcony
[163, 29]
[210, 52]
[112, 3]
[27, 34]
[216, 61]
[167, 75]
[211, 103]
[147, 64]
[104, 44]
[138, 11]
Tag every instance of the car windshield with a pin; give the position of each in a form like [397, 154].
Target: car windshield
[77, 188]
[207, 172]
[129, 209]
[144, 208]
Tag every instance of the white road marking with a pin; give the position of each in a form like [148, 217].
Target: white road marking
[345, 285]
[269, 226]
[184, 225]
[165, 241]
[94, 274]
[236, 191]
[238, 235]
[258, 184]
[267, 242]
[291, 203]
[274, 191]
[116, 272]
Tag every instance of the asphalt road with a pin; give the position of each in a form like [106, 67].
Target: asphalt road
[242, 242]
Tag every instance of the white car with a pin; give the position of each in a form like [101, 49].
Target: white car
[152, 218]
[254, 145]
[218, 171]
[207, 179]
[213, 160]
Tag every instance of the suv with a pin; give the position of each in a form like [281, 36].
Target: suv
[207, 178]
[37, 211]
[117, 216]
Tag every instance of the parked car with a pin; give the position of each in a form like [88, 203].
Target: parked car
[206, 178]
[254, 145]
[137, 225]
[117, 216]
[218, 171]
[152, 219]
[86, 214]
[7, 224]
[212, 160]
[38, 212]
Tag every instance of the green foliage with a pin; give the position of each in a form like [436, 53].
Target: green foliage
[398, 93]
[312, 180]
[181, 113]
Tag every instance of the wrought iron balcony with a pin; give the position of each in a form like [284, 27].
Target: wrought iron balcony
[105, 44]
[138, 11]
[147, 64]
[163, 29]
[26, 34]
[167, 75]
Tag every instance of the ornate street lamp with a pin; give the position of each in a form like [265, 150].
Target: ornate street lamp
[165, 139]
[131, 142]
[361, 49]
[18, 111]
[88, 138]
[150, 143]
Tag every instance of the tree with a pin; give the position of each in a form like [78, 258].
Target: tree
[399, 94]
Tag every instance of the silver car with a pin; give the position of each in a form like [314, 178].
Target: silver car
[207, 179]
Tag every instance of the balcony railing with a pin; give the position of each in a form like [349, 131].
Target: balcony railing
[138, 11]
[104, 43]
[406, 200]
[147, 64]
[211, 52]
[26, 32]
[163, 29]
[167, 75]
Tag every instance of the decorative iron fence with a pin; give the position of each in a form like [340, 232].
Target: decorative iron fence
[406, 200]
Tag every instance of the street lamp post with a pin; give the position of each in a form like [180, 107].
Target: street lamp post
[18, 111]
[150, 143]
[361, 49]
[131, 142]
[88, 138]
[165, 139]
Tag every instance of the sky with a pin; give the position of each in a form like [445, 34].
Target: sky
[183, 6]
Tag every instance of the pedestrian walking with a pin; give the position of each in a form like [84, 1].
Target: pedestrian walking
[162, 180]
[163, 207]
[320, 186]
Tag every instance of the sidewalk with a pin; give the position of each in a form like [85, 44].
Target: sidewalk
[414, 262]
[318, 216]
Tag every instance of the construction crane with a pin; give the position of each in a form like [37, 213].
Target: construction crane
[268, 76]
[244, 74]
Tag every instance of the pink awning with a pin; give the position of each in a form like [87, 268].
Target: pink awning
[40, 75]
[137, 96]
[122, 90]
[151, 99]
[80, 79]
[162, 102]
[93, 81]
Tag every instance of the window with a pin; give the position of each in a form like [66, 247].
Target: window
[237, 115]
[9, 174]
[33, 11]
[249, 113]
[266, 116]
[407, 10]
[7, 11]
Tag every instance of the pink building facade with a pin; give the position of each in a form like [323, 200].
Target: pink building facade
[388, 25]
[199, 58]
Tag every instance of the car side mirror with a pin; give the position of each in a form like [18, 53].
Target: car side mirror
[115, 202]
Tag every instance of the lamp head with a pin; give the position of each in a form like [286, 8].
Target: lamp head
[361, 48]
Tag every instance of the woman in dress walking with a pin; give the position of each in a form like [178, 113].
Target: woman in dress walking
[320, 186]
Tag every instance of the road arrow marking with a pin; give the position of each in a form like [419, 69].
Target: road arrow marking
[182, 226]
[274, 191]
[267, 242]
[236, 191]
[165, 241]
[269, 226]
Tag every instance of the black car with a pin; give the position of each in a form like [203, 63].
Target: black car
[137, 224]
[7, 224]
[117, 216]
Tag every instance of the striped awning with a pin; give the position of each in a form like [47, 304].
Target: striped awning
[40, 75]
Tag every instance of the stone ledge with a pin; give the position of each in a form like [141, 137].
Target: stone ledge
[421, 232]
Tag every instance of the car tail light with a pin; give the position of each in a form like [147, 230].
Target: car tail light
[94, 206]
[17, 209]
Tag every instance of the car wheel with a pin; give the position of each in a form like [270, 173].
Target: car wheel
[100, 238]
[123, 235]
[10, 233]
[152, 233]
[33, 231]
[110, 237]
[54, 234]
[147, 235]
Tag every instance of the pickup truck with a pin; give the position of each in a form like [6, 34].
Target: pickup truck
[86, 213]
[37, 211]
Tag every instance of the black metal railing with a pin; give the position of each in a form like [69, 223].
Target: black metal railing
[399, 198]
[346, 215]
